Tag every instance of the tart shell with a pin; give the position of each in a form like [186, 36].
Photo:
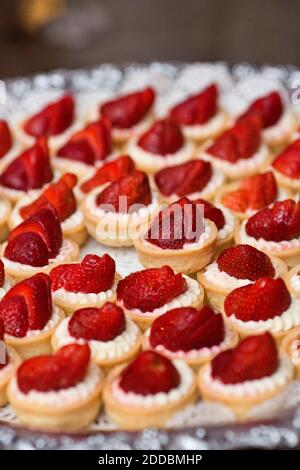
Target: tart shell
[15, 361]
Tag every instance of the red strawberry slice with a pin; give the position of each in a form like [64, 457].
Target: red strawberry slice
[253, 358]
[59, 194]
[288, 161]
[149, 373]
[53, 119]
[276, 223]
[268, 108]
[261, 190]
[266, 298]
[27, 306]
[5, 138]
[197, 109]
[90, 145]
[99, 324]
[125, 192]
[239, 142]
[180, 223]
[28, 248]
[110, 171]
[93, 274]
[185, 329]
[31, 170]
[184, 179]
[245, 262]
[212, 213]
[150, 289]
[63, 370]
[127, 111]
[2, 273]
[163, 138]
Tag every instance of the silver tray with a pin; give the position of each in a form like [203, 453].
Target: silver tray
[281, 431]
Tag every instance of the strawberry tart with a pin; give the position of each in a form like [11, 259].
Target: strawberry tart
[286, 167]
[8, 366]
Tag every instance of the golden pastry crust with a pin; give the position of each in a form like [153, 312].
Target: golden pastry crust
[186, 261]
[240, 406]
[5, 377]
[68, 417]
[292, 184]
[286, 347]
[288, 277]
[215, 295]
[37, 345]
[4, 219]
[279, 142]
[18, 275]
[70, 306]
[129, 417]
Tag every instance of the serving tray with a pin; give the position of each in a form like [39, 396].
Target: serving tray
[275, 423]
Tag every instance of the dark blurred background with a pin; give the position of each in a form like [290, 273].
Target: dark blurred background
[39, 35]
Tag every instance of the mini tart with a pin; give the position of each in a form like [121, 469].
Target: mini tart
[7, 373]
[69, 409]
[68, 252]
[290, 346]
[241, 397]
[71, 301]
[192, 297]
[215, 292]
[106, 354]
[280, 134]
[283, 193]
[196, 357]
[189, 259]
[287, 250]
[5, 210]
[114, 228]
[36, 342]
[209, 130]
[151, 163]
[132, 411]
[73, 227]
[243, 167]
[278, 326]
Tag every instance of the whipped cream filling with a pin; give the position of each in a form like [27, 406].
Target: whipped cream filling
[63, 254]
[138, 129]
[295, 352]
[127, 217]
[252, 388]
[64, 397]
[281, 323]
[157, 399]
[210, 128]
[101, 350]
[286, 179]
[269, 245]
[295, 282]
[230, 223]
[4, 211]
[201, 354]
[81, 298]
[141, 156]
[244, 164]
[186, 299]
[222, 279]
[5, 288]
[282, 129]
[52, 323]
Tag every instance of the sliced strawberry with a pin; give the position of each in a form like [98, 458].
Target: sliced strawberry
[93, 274]
[239, 142]
[236, 200]
[90, 145]
[288, 161]
[59, 194]
[28, 248]
[268, 108]
[150, 289]
[184, 179]
[245, 262]
[253, 358]
[212, 213]
[2, 273]
[31, 170]
[276, 223]
[197, 109]
[27, 305]
[110, 171]
[53, 119]
[1, 330]
[127, 111]
[261, 189]
[63, 370]
[185, 329]
[149, 373]
[5, 138]
[266, 298]
[99, 324]
[125, 192]
[163, 138]
[180, 223]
